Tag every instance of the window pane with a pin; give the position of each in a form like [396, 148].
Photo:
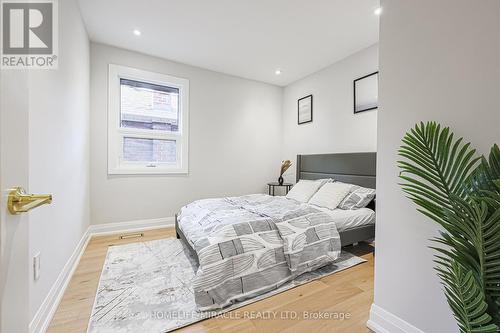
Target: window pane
[149, 150]
[149, 106]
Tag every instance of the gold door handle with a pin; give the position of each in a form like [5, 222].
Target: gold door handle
[19, 202]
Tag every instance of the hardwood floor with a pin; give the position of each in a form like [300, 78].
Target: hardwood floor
[348, 293]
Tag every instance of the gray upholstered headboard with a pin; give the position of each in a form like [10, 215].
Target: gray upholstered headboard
[353, 168]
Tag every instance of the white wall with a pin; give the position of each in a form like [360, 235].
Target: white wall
[439, 60]
[234, 143]
[59, 157]
[335, 127]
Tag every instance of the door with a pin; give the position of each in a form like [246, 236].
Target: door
[14, 236]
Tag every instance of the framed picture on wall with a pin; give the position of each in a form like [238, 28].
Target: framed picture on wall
[305, 110]
[366, 93]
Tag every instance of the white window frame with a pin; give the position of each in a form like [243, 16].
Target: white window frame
[116, 164]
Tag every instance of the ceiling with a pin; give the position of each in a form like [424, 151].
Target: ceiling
[246, 38]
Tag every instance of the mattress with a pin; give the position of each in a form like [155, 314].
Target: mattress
[347, 219]
[193, 228]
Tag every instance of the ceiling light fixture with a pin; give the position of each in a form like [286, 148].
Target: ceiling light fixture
[277, 72]
[378, 11]
[137, 32]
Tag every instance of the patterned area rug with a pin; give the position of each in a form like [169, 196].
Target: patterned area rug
[146, 287]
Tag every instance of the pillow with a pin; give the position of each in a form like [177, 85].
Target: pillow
[325, 180]
[304, 190]
[330, 195]
[359, 197]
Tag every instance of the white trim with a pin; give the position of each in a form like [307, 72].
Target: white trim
[382, 321]
[45, 313]
[116, 134]
[130, 226]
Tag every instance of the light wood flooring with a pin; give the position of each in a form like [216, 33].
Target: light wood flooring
[349, 292]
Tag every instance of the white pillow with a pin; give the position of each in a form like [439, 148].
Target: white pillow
[325, 180]
[330, 195]
[358, 197]
[304, 190]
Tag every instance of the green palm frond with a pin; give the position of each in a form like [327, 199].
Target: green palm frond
[487, 173]
[485, 185]
[436, 168]
[443, 177]
[484, 234]
[465, 298]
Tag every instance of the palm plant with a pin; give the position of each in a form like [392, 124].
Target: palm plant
[461, 192]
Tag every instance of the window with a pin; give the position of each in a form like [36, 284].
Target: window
[147, 122]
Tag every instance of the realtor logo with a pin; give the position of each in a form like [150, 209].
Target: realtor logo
[29, 34]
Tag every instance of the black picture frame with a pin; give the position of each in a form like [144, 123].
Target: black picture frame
[354, 93]
[310, 111]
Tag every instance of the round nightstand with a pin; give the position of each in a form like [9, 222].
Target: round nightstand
[271, 186]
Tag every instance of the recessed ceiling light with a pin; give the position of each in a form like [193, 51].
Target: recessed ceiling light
[277, 72]
[137, 32]
[378, 11]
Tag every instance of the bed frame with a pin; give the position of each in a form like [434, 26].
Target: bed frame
[353, 168]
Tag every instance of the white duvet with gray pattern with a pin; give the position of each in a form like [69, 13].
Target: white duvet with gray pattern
[252, 244]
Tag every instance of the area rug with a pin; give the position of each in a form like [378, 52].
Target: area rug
[146, 287]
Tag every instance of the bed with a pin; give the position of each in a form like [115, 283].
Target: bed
[245, 246]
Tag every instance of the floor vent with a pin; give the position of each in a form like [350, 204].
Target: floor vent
[132, 236]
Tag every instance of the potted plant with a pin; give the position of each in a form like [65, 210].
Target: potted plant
[284, 166]
[461, 192]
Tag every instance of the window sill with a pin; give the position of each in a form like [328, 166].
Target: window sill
[147, 171]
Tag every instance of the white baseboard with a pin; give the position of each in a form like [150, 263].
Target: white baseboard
[382, 321]
[130, 226]
[43, 316]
